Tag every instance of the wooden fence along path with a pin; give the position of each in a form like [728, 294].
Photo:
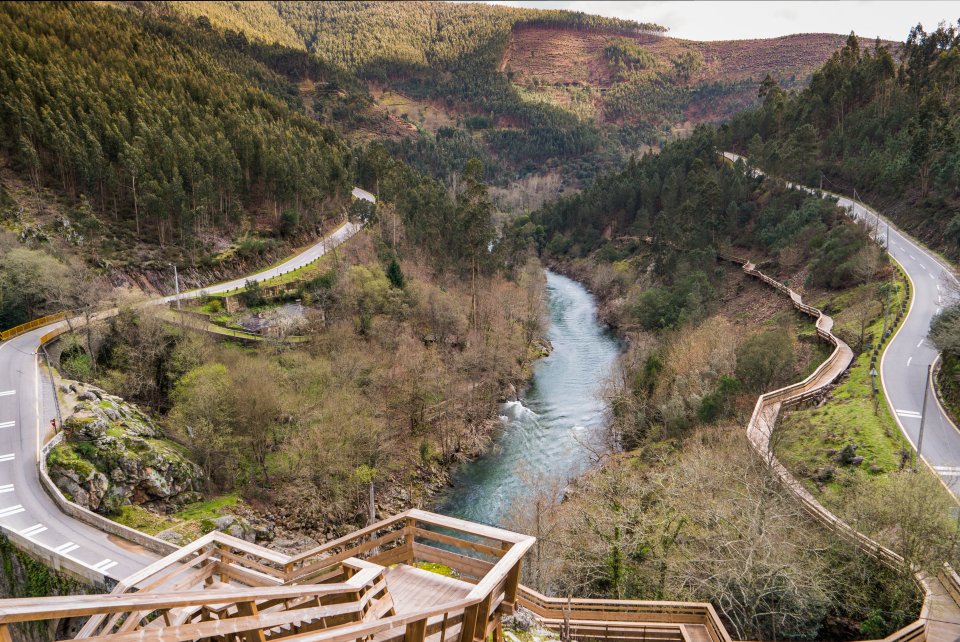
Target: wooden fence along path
[365, 586]
[940, 618]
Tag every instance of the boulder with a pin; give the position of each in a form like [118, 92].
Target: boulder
[89, 394]
[115, 455]
[171, 536]
[293, 545]
[231, 525]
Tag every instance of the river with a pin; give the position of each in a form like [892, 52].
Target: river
[562, 410]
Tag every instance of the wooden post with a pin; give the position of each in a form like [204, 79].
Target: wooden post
[253, 635]
[5, 633]
[416, 631]
[410, 534]
[468, 625]
[483, 617]
[443, 626]
[510, 588]
[224, 574]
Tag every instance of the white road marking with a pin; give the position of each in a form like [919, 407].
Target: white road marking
[66, 548]
[920, 344]
[11, 510]
[7, 393]
[104, 564]
[6, 424]
[6, 488]
[8, 457]
[909, 360]
[909, 413]
[912, 257]
[932, 275]
[36, 529]
[948, 470]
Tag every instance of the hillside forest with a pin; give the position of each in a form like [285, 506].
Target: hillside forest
[220, 137]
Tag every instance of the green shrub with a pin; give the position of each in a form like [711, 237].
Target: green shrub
[718, 403]
[667, 307]
[252, 295]
[766, 360]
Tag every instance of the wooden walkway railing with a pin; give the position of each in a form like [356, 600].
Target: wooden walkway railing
[220, 587]
[488, 557]
[597, 619]
[940, 619]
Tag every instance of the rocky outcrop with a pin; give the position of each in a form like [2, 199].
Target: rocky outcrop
[114, 455]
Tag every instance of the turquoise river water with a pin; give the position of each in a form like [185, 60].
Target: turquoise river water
[549, 432]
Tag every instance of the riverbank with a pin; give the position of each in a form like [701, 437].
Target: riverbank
[398, 383]
[556, 428]
[684, 398]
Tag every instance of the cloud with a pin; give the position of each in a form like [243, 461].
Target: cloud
[701, 20]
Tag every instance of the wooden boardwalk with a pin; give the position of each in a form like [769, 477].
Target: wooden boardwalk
[940, 607]
[414, 589]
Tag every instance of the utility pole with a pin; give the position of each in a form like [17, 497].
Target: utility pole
[923, 417]
[176, 281]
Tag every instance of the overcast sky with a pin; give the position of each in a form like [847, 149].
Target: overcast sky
[702, 20]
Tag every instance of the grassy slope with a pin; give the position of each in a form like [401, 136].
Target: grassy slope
[812, 436]
[186, 522]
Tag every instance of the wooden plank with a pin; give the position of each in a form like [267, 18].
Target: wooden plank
[27, 609]
[340, 541]
[461, 543]
[163, 564]
[258, 566]
[502, 568]
[326, 562]
[468, 565]
[398, 555]
[165, 579]
[469, 625]
[490, 532]
[248, 577]
[215, 628]
[249, 610]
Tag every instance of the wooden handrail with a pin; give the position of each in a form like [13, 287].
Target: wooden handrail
[28, 609]
[554, 610]
[795, 393]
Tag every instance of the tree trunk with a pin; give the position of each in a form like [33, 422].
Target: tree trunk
[473, 293]
[136, 208]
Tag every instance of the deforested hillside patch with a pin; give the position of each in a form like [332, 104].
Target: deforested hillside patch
[699, 81]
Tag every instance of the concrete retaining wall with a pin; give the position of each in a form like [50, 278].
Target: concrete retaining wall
[153, 544]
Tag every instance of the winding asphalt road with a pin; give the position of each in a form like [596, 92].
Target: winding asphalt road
[26, 406]
[903, 367]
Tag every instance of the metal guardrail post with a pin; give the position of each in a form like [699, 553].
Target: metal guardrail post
[53, 387]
